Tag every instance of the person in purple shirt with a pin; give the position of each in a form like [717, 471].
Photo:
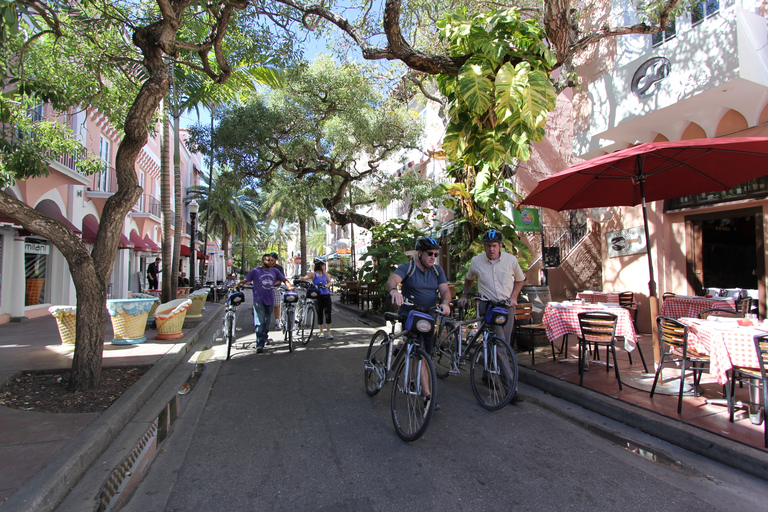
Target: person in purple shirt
[264, 278]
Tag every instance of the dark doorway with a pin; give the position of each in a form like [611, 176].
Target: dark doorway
[729, 252]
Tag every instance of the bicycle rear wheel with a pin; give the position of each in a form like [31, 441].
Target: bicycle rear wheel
[444, 350]
[411, 411]
[376, 363]
[229, 333]
[307, 325]
[288, 329]
[493, 374]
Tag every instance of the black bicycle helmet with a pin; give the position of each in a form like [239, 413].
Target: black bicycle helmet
[427, 243]
[493, 236]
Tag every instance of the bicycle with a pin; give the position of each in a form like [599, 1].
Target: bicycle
[306, 311]
[233, 299]
[287, 316]
[404, 365]
[493, 373]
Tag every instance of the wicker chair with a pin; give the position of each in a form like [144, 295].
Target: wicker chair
[169, 318]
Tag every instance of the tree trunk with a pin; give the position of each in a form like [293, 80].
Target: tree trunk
[179, 202]
[165, 200]
[303, 245]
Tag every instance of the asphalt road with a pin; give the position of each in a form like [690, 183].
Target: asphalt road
[282, 431]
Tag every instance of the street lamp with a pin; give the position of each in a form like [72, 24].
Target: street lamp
[193, 209]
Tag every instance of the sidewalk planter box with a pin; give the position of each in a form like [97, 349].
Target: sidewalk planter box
[169, 318]
[198, 301]
[155, 303]
[182, 292]
[129, 319]
[65, 319]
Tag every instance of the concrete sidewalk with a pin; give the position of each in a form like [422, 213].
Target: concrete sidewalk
[40, 460]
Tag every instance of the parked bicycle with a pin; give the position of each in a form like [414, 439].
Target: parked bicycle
[493, 373]
[306, 310]
[399, 358]
[233, 299]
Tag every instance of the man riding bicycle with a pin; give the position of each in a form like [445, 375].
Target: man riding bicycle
[499, 278]
[423, 280]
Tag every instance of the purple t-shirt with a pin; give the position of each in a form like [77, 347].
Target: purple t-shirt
[263, 280]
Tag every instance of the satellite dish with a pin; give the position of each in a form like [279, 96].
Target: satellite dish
[601, 215]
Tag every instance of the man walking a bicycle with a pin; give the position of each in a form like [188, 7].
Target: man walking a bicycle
[422, 280]
[499, 278]
[264, 278]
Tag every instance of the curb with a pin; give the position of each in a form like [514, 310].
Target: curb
[719, 449]
[49, 486]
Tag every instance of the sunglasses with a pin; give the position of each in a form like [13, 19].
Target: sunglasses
[433, 254]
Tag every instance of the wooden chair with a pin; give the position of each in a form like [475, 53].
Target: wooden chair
[756, 378]
[674, 344]
[524, 323]
[725, 313]
[627, 301]
[744, 306]
[598, 328]
[353, 292]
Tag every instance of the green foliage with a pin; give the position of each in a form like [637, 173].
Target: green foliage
[500, 99]
[387, 251]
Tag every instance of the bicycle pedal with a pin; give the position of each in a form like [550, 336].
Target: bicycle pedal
[219, 340]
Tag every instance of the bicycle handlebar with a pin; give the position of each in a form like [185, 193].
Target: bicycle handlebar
[483, 298]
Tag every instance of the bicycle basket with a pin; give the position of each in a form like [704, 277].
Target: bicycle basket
[313, 293]
[235, 298]
[420, 323]
[290, 297]
[497, 316]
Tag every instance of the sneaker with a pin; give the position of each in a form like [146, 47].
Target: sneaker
[329, 336]
[516, 399]
[260, 350]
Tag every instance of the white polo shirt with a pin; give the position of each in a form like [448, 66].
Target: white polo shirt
[496, 280]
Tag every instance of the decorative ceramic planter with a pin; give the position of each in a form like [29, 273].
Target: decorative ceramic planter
[198, 301]
[155, 303]
[129, 319]
[169, 319]
[65, 319]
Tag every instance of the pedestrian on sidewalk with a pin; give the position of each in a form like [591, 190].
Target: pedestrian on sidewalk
[152, 274]
[264, 279]
[499, 277]
[321, 279]
[278, 293]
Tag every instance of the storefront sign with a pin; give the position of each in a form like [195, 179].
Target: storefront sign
[30, 248]
[626, 242]
[648, 77]
[527, 219]
[343, 251]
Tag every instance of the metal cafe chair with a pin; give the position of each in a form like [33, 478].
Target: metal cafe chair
[524, 323]
[757, 380]
[744, 306]
[597, 328]
[627, 301]
[674, 344]
[724, 313]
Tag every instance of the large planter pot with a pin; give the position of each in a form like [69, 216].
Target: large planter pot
[169, 319]
[198, 301]
[65, 319]
[155, 303]
[182, 292]
[34, 287]
[129, 319]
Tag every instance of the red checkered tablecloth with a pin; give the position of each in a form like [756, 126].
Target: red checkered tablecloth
[595, 297]
[561, 320]
[687, 306]
[727, 345]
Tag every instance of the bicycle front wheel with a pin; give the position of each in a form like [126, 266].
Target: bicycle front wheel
[376, 363]
[411, 410]
[307, 325]
[229, 333]
[444, 350]
[493, 374]
[288, 330]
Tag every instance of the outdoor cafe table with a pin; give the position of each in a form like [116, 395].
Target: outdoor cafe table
[727, 344]
[690, 306]
[563, 318]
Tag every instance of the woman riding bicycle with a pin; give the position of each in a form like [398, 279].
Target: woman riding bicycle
[422, 280]
[322, 280]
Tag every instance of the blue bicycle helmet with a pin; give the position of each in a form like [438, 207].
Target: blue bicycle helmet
[427, 243]
[493, 236]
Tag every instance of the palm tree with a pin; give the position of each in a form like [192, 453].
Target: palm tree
[227, 206]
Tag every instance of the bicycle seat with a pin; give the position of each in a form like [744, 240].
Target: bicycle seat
[391, 317]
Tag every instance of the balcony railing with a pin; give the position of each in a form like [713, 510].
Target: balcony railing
[561, 238]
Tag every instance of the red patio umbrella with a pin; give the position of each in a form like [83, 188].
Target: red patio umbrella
[651, 172]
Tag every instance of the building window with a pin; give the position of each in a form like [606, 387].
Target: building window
[36, 253]
[662, 37]
[704, 9]
[102, 184]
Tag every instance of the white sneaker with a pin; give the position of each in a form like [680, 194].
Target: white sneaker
[328, 335]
